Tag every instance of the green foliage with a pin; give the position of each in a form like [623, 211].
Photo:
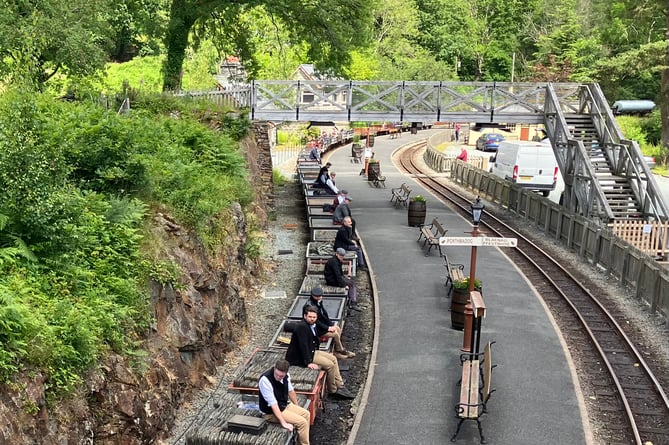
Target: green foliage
[419, 198]
[40, 39]
[278, 178]
[316, 28]
[464, 284]
[652, 126]
[290, 138]
[254, 245]
[163, 272]
[75, 185]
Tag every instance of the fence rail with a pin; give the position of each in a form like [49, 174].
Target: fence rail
[597, 244]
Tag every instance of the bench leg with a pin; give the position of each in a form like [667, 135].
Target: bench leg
[457, 430]
[478, 422]
[449, 286]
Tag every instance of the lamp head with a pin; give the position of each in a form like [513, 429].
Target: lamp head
[477, 210]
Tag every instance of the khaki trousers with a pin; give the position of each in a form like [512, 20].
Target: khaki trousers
[329, 364]
[297, 416]
[336, 338]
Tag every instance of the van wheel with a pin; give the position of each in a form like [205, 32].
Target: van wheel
[546, 193]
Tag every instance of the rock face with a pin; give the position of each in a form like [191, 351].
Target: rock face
[134, 401]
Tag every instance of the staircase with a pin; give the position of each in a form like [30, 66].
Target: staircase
[617, 189]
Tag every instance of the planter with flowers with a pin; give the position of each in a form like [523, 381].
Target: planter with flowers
[459, 300]
[417, 211]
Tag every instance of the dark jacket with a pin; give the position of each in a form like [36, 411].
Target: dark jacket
[303, 345]
[341, 211]
[323, 322]
[280, 392]
[323, 176]
[334, 273]
[344, 238]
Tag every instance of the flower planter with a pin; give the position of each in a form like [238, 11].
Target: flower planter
[416, 214]
[373, 171]
[458, 302]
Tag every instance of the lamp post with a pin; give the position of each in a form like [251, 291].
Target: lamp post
[467, 340]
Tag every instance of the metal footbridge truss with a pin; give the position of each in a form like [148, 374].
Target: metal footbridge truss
[605, 176]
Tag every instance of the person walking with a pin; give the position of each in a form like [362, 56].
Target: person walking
[278, 401]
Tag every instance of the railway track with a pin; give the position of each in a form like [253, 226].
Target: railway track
[627, 401]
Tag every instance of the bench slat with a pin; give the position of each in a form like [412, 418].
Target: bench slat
[469, 391]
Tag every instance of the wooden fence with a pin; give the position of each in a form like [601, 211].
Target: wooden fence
[648, 237]
[597, 244]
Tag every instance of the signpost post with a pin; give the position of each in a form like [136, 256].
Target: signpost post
[474, 241]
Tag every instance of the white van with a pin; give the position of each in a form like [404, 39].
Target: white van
[531, 165]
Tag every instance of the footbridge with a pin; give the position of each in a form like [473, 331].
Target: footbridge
[605, 175]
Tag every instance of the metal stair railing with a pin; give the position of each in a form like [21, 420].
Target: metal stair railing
[577, 171]
[624, 155]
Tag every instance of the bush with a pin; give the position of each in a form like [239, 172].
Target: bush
[76, 182]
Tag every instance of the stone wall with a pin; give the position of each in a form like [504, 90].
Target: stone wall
[259, 158]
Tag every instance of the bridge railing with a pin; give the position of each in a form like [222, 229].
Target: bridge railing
[583, 193]
[426, 101]
[625, 155]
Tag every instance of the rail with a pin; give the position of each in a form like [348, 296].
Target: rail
[593, 242]
[635, 398]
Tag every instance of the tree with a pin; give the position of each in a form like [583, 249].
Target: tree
[478, 36]
[329, 30]
[41, 38]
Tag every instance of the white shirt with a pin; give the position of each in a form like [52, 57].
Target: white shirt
[331, 185]
[267, 390]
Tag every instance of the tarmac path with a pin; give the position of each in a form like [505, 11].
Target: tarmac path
[412, 389]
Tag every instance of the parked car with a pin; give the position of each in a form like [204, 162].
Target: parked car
[489, 141]
[650, 161]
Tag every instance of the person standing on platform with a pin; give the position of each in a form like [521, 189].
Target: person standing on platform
[303, 351]
[334, 276]
[369, 154]
[279, 402]
[457, 132]
[325, 327]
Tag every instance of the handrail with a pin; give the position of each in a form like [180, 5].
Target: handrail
[563, 145]
[625, 154]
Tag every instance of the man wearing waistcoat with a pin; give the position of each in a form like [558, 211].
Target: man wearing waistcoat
[279, 402]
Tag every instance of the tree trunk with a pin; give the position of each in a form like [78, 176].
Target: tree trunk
[664, 101]
[182, 18]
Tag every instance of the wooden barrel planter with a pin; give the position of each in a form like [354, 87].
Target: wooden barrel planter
[458, 301]
[416, 214]
[373, 170]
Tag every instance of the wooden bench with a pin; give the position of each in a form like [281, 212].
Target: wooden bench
[475, 389]
[430, 235]
[400, 195]
[454, 272]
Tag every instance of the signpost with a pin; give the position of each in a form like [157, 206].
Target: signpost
[478, 241]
